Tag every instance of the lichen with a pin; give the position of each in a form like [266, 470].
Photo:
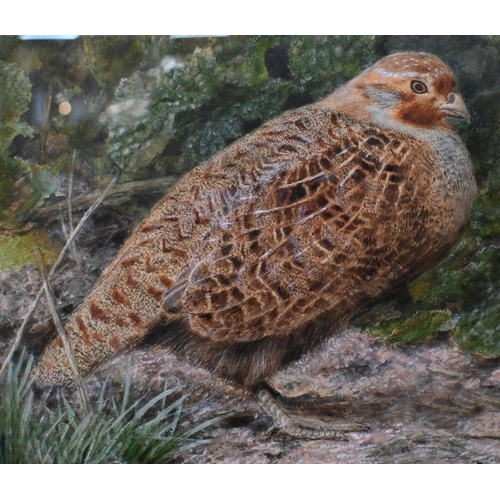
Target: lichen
[15, 96]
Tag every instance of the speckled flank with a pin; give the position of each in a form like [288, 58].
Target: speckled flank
[259, 254]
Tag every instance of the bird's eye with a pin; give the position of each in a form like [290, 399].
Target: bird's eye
[418, 87]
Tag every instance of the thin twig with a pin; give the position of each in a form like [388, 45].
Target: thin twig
[49, 294]
[45, 123]
[68, 199]
[63, 226]
[22, 328]
[70, 189]
[82, 222]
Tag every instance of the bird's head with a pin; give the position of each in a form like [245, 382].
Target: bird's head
[408, 89]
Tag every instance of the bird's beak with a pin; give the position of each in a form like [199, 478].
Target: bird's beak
[455, 106]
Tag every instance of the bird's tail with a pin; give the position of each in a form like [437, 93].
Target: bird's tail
[95, 334]
[123, 306]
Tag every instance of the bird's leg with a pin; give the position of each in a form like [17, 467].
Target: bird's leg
[274, 405]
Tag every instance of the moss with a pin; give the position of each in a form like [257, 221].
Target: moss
[420, 326]
[322, 63]
[478, 332]
[165, 104]
[16, 250]
[479, 326]
[110, 57]
[387, 321]
[418, 288]
[15, 96]
[204, 100]
[7, 45]
[416, 328]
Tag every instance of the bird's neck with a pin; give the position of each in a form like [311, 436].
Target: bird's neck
[349, 100]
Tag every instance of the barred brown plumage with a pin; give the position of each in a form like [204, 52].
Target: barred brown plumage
[261, 253]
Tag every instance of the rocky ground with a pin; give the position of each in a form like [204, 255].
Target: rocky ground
[424, 404]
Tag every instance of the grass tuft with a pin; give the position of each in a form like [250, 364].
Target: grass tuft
[117, 429]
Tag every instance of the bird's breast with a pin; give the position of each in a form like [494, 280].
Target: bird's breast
[454, 182]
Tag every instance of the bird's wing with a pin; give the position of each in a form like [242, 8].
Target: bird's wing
[320, 218]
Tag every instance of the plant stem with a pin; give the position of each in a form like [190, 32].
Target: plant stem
[49, 294]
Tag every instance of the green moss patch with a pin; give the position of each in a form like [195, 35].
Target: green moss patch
[403, 329]
[16, 250]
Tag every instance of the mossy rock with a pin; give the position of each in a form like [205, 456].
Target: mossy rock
[15, 97]
[397, 328]
[16, 250]
[193, 105]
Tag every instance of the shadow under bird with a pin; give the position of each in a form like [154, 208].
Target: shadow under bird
[260, 254]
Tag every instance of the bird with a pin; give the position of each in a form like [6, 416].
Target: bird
[263, 252]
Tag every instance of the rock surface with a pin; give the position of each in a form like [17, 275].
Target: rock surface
[424, 404]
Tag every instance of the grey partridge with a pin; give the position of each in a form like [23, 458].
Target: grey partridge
[258, 255]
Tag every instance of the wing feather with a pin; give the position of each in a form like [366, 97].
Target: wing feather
[315, 232]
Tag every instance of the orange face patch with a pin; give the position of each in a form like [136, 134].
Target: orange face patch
[420, 83]
[420, 114]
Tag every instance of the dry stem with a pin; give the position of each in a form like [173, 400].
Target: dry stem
[70, 189]
[68, 199]
[49, 294]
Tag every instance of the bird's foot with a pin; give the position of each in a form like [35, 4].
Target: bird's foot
[299, 427]
[310, 401]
